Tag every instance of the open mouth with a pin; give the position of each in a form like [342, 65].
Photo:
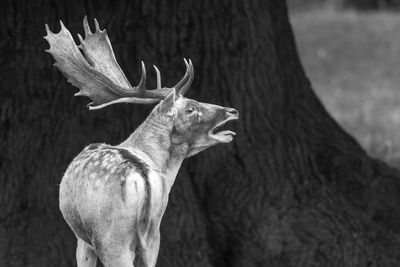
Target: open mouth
[224, 136]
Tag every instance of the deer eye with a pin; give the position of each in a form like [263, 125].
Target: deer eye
[189, 110]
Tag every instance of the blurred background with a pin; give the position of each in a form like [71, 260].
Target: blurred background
[350, 50]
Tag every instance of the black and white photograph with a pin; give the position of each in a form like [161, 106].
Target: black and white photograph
[177, 133]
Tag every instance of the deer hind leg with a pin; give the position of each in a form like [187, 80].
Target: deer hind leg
[85, 256]
[150, 255]
[116, 252]
[122, 259]
[117, 257]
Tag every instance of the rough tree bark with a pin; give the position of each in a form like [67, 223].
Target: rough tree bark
[293, 189]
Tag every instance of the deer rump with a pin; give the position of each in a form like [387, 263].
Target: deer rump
[110, 193]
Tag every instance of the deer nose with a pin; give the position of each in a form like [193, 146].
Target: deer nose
[232, 111]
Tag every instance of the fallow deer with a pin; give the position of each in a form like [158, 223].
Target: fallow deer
[113, 197]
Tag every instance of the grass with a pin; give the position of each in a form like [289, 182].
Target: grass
[353, 62]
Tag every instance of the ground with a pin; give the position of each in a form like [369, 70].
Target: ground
[353, 62]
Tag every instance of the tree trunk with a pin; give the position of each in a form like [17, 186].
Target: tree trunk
[293, 189]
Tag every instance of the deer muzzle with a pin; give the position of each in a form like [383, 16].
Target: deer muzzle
[225, 136]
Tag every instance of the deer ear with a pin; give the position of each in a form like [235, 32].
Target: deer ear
[168, 102]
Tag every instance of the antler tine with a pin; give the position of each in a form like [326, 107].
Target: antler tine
[158, 77]
[81, 41]
[192, 70]
[188, 83]
[141, 87]
[96, 23]
[86, 27]
[62, 24]
[179, 85]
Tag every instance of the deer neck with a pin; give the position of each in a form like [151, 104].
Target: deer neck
[153, 138]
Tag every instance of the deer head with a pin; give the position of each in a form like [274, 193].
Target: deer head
[193, 124]
[98, 76]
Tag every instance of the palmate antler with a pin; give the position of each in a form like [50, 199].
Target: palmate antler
[97, 74]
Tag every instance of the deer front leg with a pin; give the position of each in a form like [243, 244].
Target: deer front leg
[85, 256]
